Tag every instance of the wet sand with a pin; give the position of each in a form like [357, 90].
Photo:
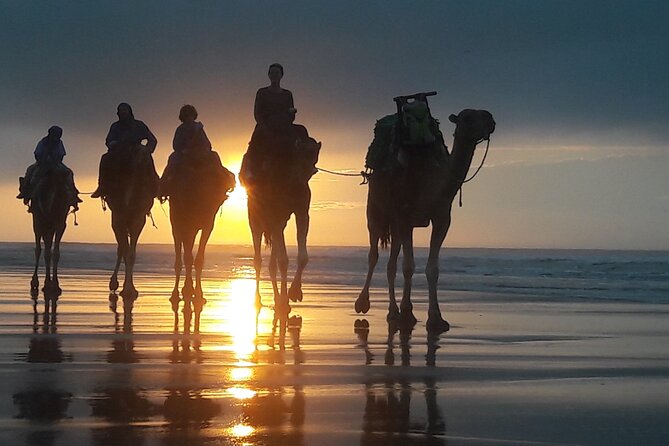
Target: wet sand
[515, 372]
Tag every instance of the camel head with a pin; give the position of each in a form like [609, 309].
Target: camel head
[417, 121]
[307, 155]
[473, 125]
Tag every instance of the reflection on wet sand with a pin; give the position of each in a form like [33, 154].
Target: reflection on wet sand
[387, 416]
[116, 401]
[188, 409]
[45, 404]
[275, 415]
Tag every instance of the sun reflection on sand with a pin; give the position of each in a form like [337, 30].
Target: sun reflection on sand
[241, 430]
[235, 316]
[241, 393]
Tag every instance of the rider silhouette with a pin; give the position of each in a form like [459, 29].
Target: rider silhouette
[125, 134]
[49, 150]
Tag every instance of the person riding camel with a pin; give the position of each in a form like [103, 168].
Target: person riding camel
[274, 112]
[125, 136]
[49, 151]
[192, 146]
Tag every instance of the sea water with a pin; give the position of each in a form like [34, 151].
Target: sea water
[535, 274]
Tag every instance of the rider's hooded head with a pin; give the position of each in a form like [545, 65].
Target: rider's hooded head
[54, 133]
[124, 111]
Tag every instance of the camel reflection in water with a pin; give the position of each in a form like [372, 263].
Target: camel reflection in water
[41, 401]
[275, 415]
[387, 415]
[122, 405]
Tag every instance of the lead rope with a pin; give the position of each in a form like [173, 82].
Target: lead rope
[477, 170]
[150, 215]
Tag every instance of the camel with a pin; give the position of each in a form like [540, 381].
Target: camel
[130, 199]
[426, 192]
[270, 205]
[194, 201]
[50, 206]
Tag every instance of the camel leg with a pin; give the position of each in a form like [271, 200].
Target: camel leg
[362, 303]
[188, 290]
[281, 305]
[48, 243]
[435, 323]
[256, 235]
[174, 299]
[279, 244]
[199, 301]
[408, 267]
[56, 258]
[34, 282]
[391, 273]
[302, 225]
[129, 292]
[272, 273]
[121, 249]
[257, 262]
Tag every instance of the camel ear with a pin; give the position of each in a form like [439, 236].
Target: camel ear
[453, 119]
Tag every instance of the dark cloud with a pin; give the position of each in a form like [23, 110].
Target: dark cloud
[548, 70]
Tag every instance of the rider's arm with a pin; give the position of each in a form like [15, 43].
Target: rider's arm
[258, 106]
[151, 140]
[112, 137]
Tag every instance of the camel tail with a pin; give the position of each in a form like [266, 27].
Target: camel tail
[385, 237]
[268, 239]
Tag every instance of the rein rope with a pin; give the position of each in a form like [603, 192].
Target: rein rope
[477, 170]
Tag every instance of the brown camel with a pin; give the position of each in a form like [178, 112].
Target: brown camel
[426, 191]
[130, 199]
[49, 205]
[270, 204]
[195, 198]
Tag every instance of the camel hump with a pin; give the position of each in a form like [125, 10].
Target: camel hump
[201, 175]
[379, 153]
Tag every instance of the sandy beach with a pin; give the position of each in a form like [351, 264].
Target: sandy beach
[522, 371]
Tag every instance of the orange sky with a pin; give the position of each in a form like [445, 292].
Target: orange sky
[578, 158]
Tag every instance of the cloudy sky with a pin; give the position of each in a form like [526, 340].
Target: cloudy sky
[578, 90]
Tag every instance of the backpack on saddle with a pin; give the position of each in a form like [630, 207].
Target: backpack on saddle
[412, 128]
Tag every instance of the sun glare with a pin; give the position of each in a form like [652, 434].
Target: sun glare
[235, 316]
[241, 393]
[237, 198]
[241, 430]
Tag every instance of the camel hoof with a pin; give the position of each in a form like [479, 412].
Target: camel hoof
[407, 319]
[113, 284]
[436, 325]
[188, 293]
[129, 295]
[282, 311]
[393, 316]
[113, 302]
[174, 300]
[34, 293]
[362, 303]
[128, 305]
[389, 357]
[295, 293]
[34, 286]
[198, 303]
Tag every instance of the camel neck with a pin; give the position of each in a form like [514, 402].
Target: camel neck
[461, 159]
